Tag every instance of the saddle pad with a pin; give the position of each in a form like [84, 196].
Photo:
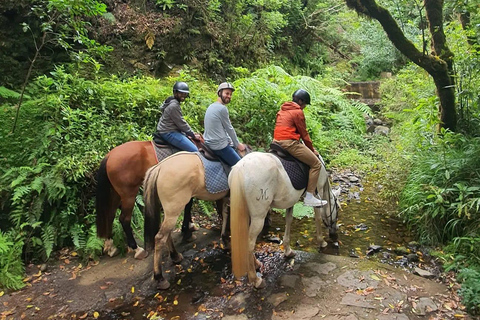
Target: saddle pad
[162, 153]
[297, 175]
[216, 179]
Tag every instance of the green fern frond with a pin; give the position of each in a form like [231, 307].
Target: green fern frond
[38, 184]
[20, 193]
[48, 238]
[8, 94]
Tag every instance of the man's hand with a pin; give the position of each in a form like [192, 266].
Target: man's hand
[316, 152]
[241, 147]
[198, 137]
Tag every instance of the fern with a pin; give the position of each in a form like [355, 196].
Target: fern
[48, 239]
[11, 267]
[8, 94]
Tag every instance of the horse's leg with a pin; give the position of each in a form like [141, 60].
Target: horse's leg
[187, 225]
[176, 256]
[162, 239]
[222, 209]
[125, 219]
[289, 253]
[108, 246]
[256, 226]
[318, 223]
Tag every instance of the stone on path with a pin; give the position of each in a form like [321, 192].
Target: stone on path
[425, 305]
[423, 273]
[321, 268]
[277, 298]
[351, 299]
[313, 285]
[302, 312]
[289, 280]
[236, 317]
[392, 316]
[355, 279]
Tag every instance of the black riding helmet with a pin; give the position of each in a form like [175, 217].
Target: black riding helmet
[301, 94]
[180, 87]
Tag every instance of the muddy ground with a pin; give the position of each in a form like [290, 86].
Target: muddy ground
[310, 286]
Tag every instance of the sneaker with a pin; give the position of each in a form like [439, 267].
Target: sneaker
[311, 201]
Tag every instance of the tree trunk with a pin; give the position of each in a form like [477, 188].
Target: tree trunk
[438, 64]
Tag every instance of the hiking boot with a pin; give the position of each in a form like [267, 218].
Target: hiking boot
[311, 201]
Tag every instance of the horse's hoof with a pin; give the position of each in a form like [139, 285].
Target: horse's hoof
[140, 253]
[258, 264]
[112, 252]
[290, 255]
[163, 285]
[190, 239]
[260, 283]
[178, 259]
[193, 227]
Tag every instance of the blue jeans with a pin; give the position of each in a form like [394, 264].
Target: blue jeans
[179, 141]
[228, 155]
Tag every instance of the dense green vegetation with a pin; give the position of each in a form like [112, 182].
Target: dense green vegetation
[91, 75]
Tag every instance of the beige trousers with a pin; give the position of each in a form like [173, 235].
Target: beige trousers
[302, 153]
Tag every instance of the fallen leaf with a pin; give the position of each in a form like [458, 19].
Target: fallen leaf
[73, 254]
[136, 303]
[374, 277]
[133, 289]
[96, 314]
[2, 293]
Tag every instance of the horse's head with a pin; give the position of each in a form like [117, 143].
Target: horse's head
[330, 214]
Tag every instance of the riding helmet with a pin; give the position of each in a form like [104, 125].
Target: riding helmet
[225, 85]
[301, 94]
[180, 87]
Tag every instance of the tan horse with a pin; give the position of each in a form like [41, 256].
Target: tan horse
[257, 183]
[119, 179]
[171, 184]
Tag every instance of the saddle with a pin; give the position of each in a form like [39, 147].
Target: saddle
[296, 170]
[159, 142]
[209, 155]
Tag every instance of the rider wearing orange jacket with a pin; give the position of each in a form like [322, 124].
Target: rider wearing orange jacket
[290, 127]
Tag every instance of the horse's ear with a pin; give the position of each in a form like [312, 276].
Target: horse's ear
[337, 193]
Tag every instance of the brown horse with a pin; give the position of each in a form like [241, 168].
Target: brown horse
[171, 184]
[119, 179]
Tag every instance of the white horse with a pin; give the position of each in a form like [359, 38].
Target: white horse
[259, 182]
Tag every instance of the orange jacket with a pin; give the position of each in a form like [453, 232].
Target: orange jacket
[290, 124]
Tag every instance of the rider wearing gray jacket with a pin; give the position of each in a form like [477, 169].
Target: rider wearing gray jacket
[172, 127]
[219, 132]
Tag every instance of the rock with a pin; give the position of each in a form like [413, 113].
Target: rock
[289, 281]
[401, 251]
[423, 273]
[412, 257]
[373, 249]
[382, 130]
[352, 299]
[425, 305]
[377, 121]
[277, 298]
[321, 268]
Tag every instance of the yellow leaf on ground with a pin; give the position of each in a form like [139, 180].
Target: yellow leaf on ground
[96, 314]
[133, 289]
[2, 293]
[374, 277]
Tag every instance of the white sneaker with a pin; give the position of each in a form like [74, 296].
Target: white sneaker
[311, 201]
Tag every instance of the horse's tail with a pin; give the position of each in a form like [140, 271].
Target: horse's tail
[105, 203]
[152, 207]
[239, 223]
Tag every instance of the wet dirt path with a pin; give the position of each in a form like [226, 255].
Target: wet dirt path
[311, 286]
